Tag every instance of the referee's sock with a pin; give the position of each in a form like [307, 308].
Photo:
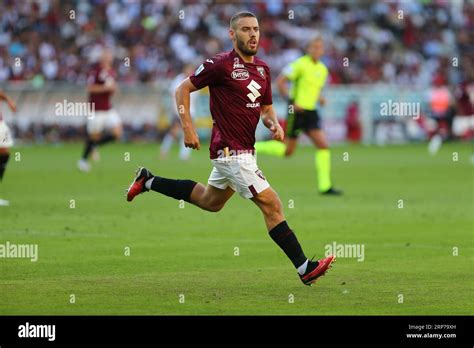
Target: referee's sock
[271, 147]
[323, 169]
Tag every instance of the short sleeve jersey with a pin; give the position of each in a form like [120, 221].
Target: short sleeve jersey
[308, 79]
[100, 76]
[237, 91]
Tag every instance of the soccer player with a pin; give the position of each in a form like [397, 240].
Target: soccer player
[6, 140]
[240, 93]
[174, 132]
[442, 112]
[308, 76]
[105, 125]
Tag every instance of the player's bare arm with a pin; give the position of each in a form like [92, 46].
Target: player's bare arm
[270, 121]
[183, 101]
[8, 100]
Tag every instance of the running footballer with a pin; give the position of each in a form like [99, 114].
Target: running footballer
[240, 93]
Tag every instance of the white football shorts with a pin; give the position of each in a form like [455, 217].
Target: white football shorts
[6, 137]
[103, 120]
[240, 173]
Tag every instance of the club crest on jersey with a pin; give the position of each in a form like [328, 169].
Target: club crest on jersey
[260, 174]
[261, 71]
[240, 74]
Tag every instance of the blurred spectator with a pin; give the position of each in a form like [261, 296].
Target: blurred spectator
[354, 129]
[397, 42]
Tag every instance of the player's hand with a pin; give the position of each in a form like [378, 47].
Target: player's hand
[111, 85]
[191, 139]
[277, 131]
[113, 88]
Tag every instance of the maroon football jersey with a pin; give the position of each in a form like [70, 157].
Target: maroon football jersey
[237, 91]
[100, 76]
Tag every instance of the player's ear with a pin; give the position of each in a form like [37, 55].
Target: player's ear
[231, 34]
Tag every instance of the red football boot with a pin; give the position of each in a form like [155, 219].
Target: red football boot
[138, 184]
[323, 266]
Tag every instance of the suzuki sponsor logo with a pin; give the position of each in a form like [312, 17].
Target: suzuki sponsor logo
[253, 105]
[253, 87]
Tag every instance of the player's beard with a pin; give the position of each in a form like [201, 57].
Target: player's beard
[244, 49]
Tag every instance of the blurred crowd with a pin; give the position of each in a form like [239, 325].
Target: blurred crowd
[400, 42]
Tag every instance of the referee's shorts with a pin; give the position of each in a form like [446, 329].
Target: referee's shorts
[305, 120]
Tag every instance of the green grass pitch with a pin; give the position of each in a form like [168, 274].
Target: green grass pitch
[409, 251]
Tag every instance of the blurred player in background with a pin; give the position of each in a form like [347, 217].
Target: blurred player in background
[442, 112]
[240, 94]
[308, 76]
[105, 125]
[6, 140]
[175, 131]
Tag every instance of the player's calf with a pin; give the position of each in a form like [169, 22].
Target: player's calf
[270, 205]
[210, 198]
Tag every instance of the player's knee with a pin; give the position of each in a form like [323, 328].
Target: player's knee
[117, 133]
[94, 137]
[322, 144]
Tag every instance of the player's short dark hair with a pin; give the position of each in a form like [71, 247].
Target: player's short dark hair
[238, 15]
